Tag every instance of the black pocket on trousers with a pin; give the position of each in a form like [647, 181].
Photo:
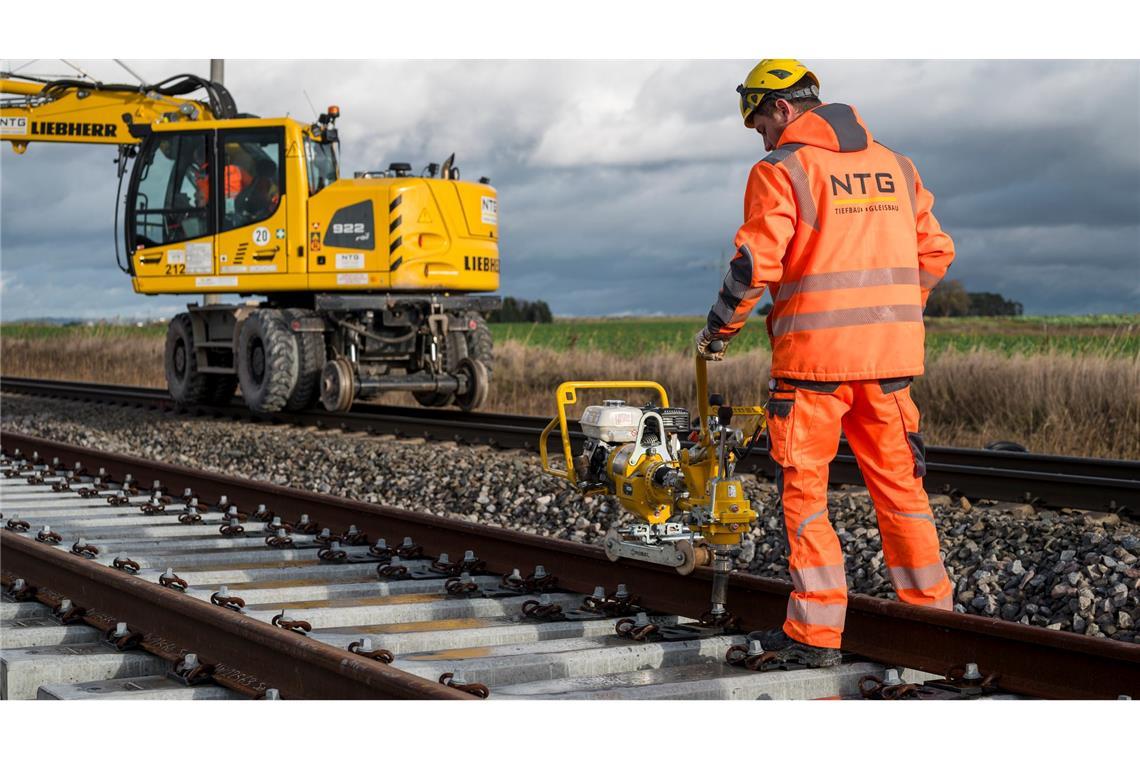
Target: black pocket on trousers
[918, 449]
[894, 384]
[780, 407]
[814, 386]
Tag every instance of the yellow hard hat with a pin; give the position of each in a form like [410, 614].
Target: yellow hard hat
[773, 75]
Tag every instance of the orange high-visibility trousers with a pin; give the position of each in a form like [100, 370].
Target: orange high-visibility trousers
[881, 424]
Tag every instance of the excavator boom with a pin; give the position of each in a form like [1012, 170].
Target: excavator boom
[82, 111]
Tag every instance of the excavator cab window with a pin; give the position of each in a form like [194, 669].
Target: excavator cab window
[168, 201]
[254, 175]
[321, 162]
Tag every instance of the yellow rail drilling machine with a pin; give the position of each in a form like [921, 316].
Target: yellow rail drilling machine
[689, 505]
[365, 285]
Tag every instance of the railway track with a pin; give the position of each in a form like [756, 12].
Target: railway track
[1044, 480]
[110, 591]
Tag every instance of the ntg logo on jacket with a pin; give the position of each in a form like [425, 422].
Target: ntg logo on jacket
[884, 183]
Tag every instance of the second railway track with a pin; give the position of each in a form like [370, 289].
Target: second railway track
[1042, 479]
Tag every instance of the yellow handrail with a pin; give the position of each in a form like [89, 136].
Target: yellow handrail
[567, 395]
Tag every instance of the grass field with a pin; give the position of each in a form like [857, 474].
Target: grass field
[1104, 335]
[1068, 385]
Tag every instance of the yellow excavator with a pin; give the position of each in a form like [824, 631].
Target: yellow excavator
[348, 288]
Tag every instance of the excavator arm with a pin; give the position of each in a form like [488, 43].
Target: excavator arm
[83, 111]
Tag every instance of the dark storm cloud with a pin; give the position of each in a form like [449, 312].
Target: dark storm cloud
[620, 182]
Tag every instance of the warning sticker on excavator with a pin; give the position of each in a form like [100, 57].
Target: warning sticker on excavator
[215, 282]
[261, 236]
[490, 210]
[13, 125]
[350, 261]
[199, 258]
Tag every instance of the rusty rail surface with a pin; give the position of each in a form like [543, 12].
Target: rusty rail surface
[1027, 660]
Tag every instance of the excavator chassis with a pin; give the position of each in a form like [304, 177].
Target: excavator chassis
[297, 350]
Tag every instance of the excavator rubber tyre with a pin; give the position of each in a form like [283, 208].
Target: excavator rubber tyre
[310, 362]
[266, 361]
[338, 386]
[186, 384]
[480, 344]
[478, 383]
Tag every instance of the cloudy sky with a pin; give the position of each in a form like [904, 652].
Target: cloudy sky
[620, 183]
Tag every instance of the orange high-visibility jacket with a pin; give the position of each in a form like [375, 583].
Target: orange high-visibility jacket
[841, 229]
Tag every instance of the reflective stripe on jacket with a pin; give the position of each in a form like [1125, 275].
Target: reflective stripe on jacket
[841, 229]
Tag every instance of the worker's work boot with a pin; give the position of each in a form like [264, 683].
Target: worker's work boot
[788, 649]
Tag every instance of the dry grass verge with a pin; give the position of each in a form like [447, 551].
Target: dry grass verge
[117, 360]
[1077, 405]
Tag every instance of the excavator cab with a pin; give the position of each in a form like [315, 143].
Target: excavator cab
[195, 191]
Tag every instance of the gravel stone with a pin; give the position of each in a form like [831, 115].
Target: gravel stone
[1059, 570]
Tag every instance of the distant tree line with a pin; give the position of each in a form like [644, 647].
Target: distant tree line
[521, 310]
[951, 299]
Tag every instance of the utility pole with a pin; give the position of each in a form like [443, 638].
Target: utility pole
[217, 74]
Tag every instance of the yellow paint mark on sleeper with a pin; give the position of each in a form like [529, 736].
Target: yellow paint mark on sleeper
[467, 653]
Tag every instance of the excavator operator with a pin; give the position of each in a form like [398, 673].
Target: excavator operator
[261, 197]
[840, 228]
[237, 177]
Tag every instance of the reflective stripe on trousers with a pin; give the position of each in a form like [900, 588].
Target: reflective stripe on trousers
[803, 439]
[814, 614]
[917, 577]
[807, 579]
[927, 585]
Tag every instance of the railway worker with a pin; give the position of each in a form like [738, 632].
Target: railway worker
[261, 198]
[237, 178]
[840, 229]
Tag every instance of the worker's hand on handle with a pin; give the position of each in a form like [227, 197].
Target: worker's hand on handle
[711, 346]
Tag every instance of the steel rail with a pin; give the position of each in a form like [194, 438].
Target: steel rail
[299, 667]
[1042, 479]
[1028, 660]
